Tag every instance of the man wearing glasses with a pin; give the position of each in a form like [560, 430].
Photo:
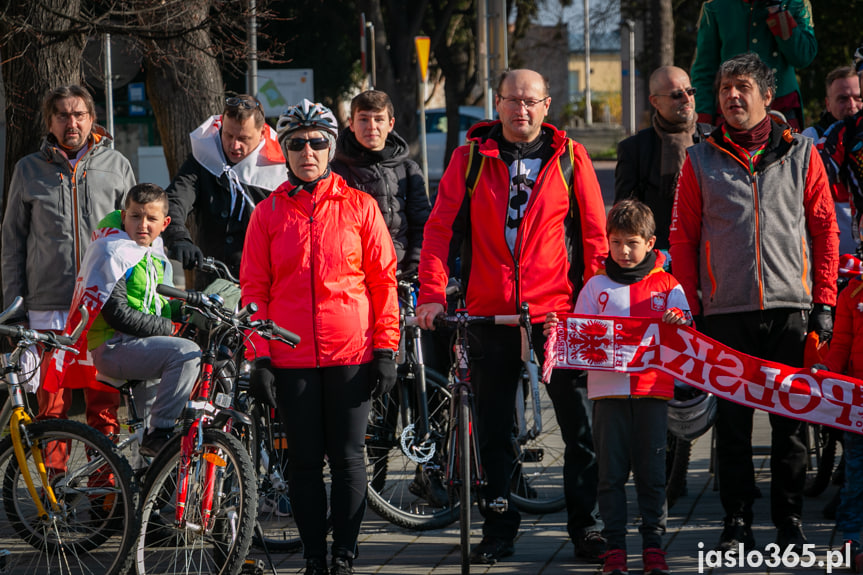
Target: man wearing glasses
[236, 161]
[531, 235]
[56, 199]
[649, 161]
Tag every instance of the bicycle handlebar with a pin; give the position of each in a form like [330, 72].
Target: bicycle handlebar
[49, 338]
[452, 320]
[213, 310]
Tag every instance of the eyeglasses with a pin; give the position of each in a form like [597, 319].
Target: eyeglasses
[519, 102]
[299, 144]
[243, 103]
[64, 117]
[678, 94]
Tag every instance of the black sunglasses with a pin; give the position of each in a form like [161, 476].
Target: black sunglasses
[678, 94]
[235, 102]
[299, 144]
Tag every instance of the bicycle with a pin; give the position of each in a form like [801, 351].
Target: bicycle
[406, 436]
[80, 513]
[200, 507]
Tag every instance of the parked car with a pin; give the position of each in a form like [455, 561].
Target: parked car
[436, 131]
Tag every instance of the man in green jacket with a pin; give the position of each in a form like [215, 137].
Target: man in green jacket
[779, 31]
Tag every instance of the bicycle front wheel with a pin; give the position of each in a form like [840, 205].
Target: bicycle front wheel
[209, 534]
[268, 446]
[406, 484]
[94, 525]
[536, 485]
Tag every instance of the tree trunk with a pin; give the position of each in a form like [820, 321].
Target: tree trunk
[184, 83]
[33, 64]
[664, 20]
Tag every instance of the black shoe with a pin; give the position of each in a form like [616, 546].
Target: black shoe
[590, 547]
[342, 566]
[490, 549]
[430, 487]
[736, 531]
[155, 440]
[791, 534]
[316, 566]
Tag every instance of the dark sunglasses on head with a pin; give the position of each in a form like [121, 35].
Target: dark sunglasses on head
[298, 144]
[678, 94]
[235, 102]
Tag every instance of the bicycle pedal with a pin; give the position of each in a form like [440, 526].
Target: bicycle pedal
[532, 455]
[252, 567]
[499, 505]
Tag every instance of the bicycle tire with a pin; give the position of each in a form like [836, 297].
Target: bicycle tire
[98, 497]
[678, 452]
[392, 474]
[464, 466]
[163, 548]
[270, 458]
[536, 485]
[822, 441]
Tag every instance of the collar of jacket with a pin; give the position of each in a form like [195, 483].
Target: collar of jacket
[778, 144]
[488, 133]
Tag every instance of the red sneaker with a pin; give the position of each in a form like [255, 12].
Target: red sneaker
[614, 562]
[654, 562]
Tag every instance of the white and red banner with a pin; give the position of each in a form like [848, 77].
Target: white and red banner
[110, 254]
[631, 345]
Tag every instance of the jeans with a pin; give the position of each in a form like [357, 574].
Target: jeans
[630, 436]
[325, 412]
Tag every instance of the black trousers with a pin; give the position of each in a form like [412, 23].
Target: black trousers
[324, 412]
[777, 335]
[495, 371]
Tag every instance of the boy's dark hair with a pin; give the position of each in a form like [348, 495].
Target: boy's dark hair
[372, 101]
[145, 194]
[61, 93]
[631, 217]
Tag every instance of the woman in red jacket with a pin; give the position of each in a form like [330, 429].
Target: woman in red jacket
[318, 260]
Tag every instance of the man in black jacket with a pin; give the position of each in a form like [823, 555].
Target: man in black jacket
[649, 161]
[373, 158]
[236, 161]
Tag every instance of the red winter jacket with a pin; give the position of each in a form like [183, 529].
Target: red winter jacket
[322, 265]
[554, 255]
[846, 346]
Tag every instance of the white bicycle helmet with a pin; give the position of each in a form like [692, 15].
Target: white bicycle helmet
[691, 413]
[304, 115]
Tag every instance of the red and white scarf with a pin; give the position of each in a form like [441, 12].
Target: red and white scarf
[631, 345]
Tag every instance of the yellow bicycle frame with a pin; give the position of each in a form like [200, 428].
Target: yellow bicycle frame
[20, 418]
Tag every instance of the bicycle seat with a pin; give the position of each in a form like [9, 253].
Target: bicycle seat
[118, 383]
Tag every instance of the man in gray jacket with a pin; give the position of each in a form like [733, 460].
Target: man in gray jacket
[755, 246]
[56, 198]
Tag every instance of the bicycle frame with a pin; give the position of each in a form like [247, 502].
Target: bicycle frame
[19, 418]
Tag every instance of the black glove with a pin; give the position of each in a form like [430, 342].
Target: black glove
[187, 254]
[262, 382]
[383, 376]
[821, 321]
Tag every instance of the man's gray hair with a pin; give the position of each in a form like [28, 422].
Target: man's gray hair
[748, 64]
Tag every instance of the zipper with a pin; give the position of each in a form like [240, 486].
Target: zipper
[312, 263]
